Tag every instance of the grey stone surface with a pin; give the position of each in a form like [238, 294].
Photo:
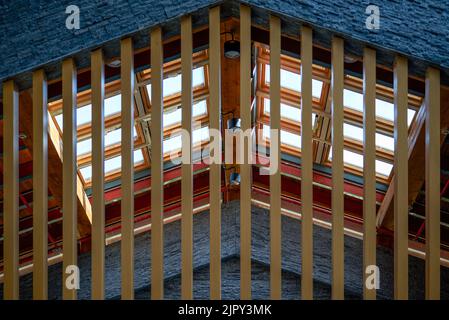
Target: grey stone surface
[291, 262]
[33, 32]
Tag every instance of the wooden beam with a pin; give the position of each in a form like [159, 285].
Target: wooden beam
[306, 164]
[187, 166]
[215, 166]
[337, 86]
[157, 191]
[369, 170]
[98, 218]
[11, 190]
[433, 184]
[69, 201]
[40, 186]
[401, 178]
[275, 153]
[245, 169]
[127, 153]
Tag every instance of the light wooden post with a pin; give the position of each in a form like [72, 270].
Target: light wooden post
[69, 174]
[11, 190]
[127, 203]
[400, 178]
[40, 186]
[338, 213]
[245, 184]
[275, 147]
[157, 191]
[369, 170]
[98, 238]
[215, 167]
[187, 166]
[433, 218]
[306, 164]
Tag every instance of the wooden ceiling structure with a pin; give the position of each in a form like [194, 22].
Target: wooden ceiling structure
[291, 168]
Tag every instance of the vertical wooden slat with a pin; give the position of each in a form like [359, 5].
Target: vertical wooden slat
[306, 164]
[432, 104]
[400, 178]
[215, 167]
[337, 86]
[245, 184]
[11, 190]
[187, 172]
[369, 170]
[69, 173]
[98, 243]
[157, 191]
[40, 186]
[127, 203]
[275, 177]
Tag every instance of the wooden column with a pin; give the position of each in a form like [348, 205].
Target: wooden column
[338, 213]
[400, 178]
[40, 186]
[98, 243]
[69, 174]
[275, 147]
[369, 170]
[157, 191]
[306, 164]
[127, 203]
[215, 167]
[11, 190]
[245, 184]
[433, 219]
[187, 167]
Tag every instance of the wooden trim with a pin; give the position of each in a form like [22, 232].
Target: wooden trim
[187, 166]
[306, 165]
[337, 85]
[11, 190]
[369, 170]
[98, 213]
[432, 184]
[157, 191]
[40, 186]
[245, 170]
[127, 169]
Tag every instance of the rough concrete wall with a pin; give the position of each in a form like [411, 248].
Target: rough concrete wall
[33, 32]
[291, 262]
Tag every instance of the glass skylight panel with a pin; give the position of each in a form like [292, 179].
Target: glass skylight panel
[173, 117]
[112, 164]
[287, 112]
[356, 133]
[112, 105]
[292, 81]
[287, 138]
[111, 138]
[173, 84]
[384, 109]
[356, 160]
[175, 143]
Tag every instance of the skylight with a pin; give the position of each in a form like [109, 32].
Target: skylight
[356, 159]
[384, 109]
[287, 138]
[175, 143]
[356, 133]
[112, 105]
[292, 81]
[287, 112]
[111, 138]
[174, 116]
[172, 85]
[112, 164]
